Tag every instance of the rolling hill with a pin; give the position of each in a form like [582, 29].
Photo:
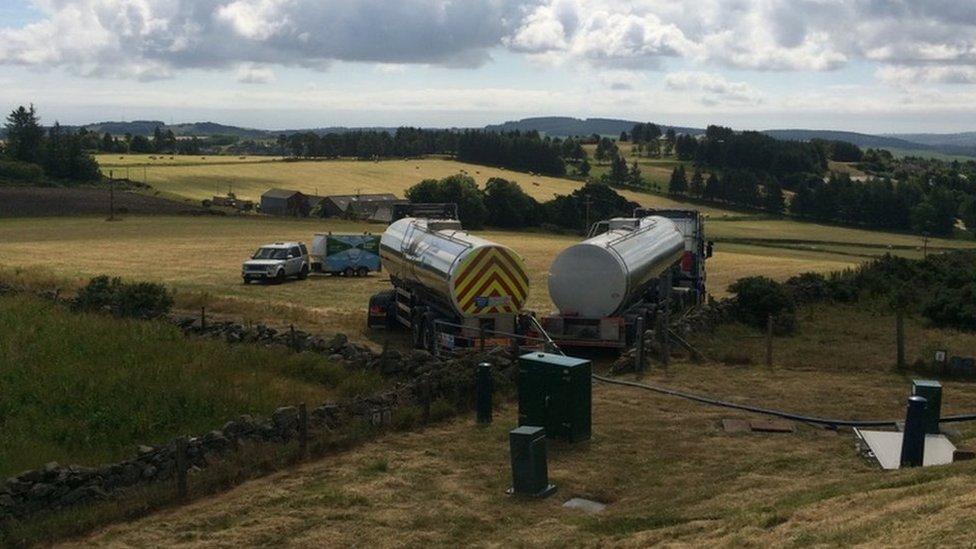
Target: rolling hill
[952, 144]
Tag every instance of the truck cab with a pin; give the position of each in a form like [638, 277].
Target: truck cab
[690, 277]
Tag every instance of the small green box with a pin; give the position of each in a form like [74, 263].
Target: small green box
[555, 392]
[931, 391]
[530, 469]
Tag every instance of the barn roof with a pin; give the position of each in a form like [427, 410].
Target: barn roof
[279, 193]
[342, 201]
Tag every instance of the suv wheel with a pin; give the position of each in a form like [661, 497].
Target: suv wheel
[279, 276]
[303, 274]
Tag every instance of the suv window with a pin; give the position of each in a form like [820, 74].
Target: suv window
[295, 252]
[304, 249]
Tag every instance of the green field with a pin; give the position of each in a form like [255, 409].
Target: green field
[87, 389]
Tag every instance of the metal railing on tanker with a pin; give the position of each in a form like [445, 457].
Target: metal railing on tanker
[452, 339]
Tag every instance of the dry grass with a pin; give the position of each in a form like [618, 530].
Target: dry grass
[201, 256]
[199, 179]
[668, 472]
[133, 160]
[845, 167]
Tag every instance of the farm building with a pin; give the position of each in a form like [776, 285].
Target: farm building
[361, 206]
[284, 202]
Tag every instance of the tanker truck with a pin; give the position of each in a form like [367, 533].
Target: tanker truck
[628, 268]
[441, 273]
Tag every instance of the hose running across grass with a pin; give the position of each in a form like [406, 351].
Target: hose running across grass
[832, 423]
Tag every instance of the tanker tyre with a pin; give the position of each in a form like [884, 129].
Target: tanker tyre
[348, 272]
[362, 271]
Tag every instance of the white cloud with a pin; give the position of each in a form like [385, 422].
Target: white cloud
[249, 73]
[906, 75]
[931, 41]
[121, 37]
[713, 89]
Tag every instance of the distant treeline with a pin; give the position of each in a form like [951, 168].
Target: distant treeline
[518, 151]
[755, 171]
[32, 154]
[405, 142]
[504, 204]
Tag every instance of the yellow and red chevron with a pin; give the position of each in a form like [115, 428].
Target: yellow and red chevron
[491, 280]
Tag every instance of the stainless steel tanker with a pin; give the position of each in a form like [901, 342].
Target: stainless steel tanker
[602, 276]
[471, 277]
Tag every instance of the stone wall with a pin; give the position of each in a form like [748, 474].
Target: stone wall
[422, 379]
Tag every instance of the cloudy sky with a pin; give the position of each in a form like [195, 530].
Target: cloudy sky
[864, 65]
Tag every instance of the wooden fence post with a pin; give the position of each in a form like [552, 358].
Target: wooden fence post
[203, 319]
[181, 468]
[769, 341]
[639, 364]
[302, 431]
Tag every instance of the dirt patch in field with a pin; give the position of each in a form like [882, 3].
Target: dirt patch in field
[55, 201]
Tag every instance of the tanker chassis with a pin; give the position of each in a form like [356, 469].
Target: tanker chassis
[448, 285]
[628, 269]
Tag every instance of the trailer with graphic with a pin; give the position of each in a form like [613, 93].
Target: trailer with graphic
[346, 254]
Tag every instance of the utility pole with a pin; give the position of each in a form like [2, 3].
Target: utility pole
[111, 200]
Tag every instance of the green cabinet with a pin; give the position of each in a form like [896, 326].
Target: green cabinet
[555, 392]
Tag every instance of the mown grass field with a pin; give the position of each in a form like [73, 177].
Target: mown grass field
[87, 388]
[200, 258]
[202, 179]
[666, 469]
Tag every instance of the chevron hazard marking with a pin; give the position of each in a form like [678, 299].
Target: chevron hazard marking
[492, 280]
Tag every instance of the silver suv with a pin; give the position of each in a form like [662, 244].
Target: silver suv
[276, 262]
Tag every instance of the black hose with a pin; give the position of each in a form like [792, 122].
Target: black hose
[833, 423]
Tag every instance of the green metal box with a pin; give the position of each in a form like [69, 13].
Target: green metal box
[931, 391]
[530, 469]
[555, 392]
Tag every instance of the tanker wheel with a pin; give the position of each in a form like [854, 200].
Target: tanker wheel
[348, 272]
[362, 271]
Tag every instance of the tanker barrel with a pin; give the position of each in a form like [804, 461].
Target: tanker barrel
[603, 275]
[470, 275]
